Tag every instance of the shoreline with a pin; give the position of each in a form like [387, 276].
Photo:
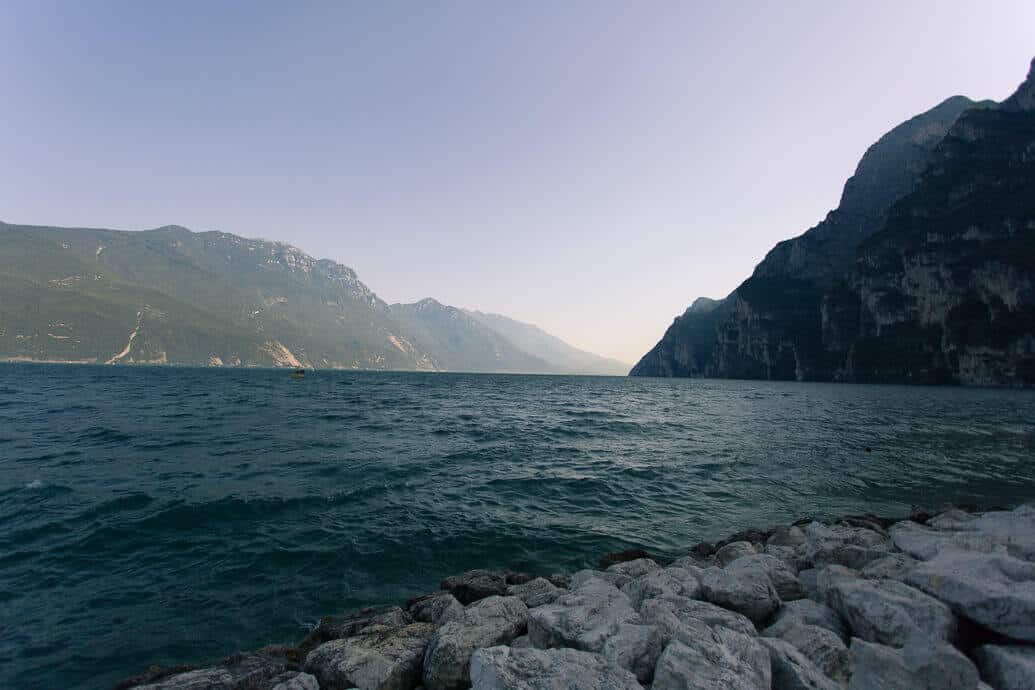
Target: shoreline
[936, 600]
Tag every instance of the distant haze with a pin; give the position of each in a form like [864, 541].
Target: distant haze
[590, 167]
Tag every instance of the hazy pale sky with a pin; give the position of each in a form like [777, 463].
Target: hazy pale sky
[590, 167]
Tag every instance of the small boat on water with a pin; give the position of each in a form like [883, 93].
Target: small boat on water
[298, 373]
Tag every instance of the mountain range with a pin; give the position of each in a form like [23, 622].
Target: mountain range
[172, 296]
[923, 273]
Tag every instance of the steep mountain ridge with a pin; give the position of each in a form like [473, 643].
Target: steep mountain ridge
[172, 296]
[793, 318]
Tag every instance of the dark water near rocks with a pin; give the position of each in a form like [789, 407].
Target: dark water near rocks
[170, 515]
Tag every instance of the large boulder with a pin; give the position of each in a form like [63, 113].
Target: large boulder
[809, 612]
[612, 577]
[474, 585]
[254, 670]
[923, 664]
[635, 568]
[783, 577]
[489, 622]
[670, 613]
[890, 612]
[503, 668]
[701, 658]
[335, 627]
[925, 543]
[537, 592]
[852, 547]
[438, 608]
[382, 658]
[995, 590]
[661, 583]
[584, 618]
[1007, 667]
[636, 648]
[748, 592]
[786, 536]
[293, 680]
[895, 566]
[821, 646]
[794, 671]
[734, 550]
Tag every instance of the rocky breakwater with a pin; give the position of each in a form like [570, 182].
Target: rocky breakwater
[943, 602]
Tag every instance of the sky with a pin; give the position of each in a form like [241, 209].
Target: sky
[590, 167]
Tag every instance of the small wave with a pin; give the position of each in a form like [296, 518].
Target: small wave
[35, 484]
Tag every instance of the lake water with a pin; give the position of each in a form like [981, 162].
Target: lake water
[159, 515]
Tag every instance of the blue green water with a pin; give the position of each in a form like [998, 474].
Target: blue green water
[160, 515]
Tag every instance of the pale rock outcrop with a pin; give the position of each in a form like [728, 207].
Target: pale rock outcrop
[750, 593]
[890, 612]
[672, 612]
[792, 670]
[1007, 667]
[995, 590]
[584, 618]
[701, 658]
[381, 658]
[783, 577]
[335, 627]
[734, 550]
[923, 664]
[489, 622]
[504, 668]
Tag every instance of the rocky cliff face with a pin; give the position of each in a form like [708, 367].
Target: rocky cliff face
[922, 274]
